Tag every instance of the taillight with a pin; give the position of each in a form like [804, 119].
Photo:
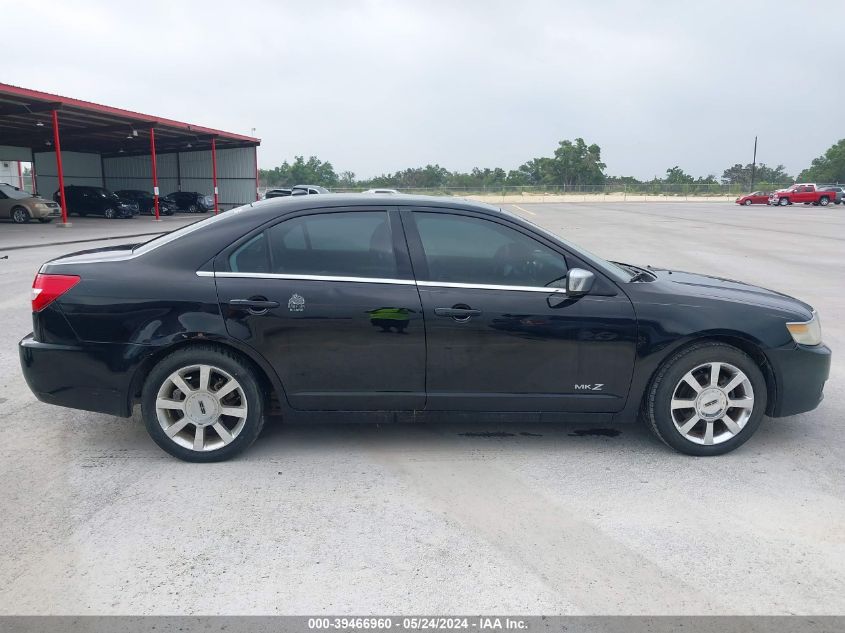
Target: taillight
[48, 288]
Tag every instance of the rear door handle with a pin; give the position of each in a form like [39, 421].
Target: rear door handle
[255, 306]
[459, 314]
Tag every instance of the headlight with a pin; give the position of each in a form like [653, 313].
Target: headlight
[41, 205]
[806, 332]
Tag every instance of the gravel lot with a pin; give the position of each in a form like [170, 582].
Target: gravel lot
[355, 519]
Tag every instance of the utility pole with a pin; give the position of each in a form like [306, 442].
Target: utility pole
[754, 164]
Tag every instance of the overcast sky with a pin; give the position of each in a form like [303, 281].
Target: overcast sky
[378, 86]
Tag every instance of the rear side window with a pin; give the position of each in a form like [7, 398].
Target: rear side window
[461, 249]
[357, 244]
[251, 257]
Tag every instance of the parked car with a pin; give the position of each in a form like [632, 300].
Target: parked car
[21, 206]
[276, 193]
[298, 190]
[386, 191]
[190, 201]
[146, 201]
[755, 197]
[84, 200]
[836, 189]
[426, 305]
[801, 192]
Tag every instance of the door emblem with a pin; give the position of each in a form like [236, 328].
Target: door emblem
[593, 387]
[296, 303]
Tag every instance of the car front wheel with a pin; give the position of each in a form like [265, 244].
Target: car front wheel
[20, 215]
[202, 404]
[783, 202]
[747, 203]
[707, 399]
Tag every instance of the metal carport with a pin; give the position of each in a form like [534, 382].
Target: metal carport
[70, 141]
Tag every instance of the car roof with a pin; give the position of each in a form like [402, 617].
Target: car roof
[282, 206]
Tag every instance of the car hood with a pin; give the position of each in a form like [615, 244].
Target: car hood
[694, 285]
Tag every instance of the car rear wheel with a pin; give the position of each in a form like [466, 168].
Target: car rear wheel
[20, 215]
[707, 399]
[192, 208]
[202, 404]
[824, 201]
[783, 202]
[747, 203]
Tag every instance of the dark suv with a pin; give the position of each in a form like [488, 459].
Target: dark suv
[190, 201]
[146, 202]
[84, 200]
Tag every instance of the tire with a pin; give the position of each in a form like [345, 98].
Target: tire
[45, 220]
[202, 405]
[110, 214]
[709, 435]
[824, 201]
[20, 215]
[747, 203]
[192, 208]
[783, 202]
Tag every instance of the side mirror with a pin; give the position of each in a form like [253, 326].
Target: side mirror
[579, 282]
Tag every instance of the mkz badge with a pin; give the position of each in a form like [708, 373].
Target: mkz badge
[296, 303]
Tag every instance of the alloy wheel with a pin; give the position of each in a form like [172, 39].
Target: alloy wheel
[201, 407]
[20, 216]
[712, 403]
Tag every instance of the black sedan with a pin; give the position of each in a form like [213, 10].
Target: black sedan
[403, 308]
[276, 193]
[146, 201]
[87, 200]
[190, 201]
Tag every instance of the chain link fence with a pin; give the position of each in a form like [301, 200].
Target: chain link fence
[575, 192]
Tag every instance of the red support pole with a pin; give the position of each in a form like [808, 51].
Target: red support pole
[155, 173]
[214, 171]
[255, 153]
[32, 173]
[20, 176]
[59, 171]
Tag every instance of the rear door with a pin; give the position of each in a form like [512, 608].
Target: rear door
[328, 298]
[497, 338]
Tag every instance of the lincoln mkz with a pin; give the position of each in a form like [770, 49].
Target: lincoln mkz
[408, 308]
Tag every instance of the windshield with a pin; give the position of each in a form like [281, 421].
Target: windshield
[166, 238]
[609, 268]
[15, 194]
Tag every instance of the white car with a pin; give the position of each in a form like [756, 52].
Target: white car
[380, 191]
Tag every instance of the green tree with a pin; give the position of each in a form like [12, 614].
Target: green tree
[677, 176]
[346, 179]
[576, 164]
[300, 172]
[830, 167]
[739, 175]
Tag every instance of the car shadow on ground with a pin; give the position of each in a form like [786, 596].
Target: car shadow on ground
[281, 438]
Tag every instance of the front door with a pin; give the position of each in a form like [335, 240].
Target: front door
[499, 337]
[327, 297]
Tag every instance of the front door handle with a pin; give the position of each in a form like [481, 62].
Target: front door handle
[458, 313]
[254, 305]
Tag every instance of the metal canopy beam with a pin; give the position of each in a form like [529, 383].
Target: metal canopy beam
[28, 108]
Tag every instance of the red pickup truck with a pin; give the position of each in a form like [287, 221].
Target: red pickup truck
[802, 192]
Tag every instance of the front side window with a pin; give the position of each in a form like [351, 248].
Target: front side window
[357, 244]
[461, 249]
